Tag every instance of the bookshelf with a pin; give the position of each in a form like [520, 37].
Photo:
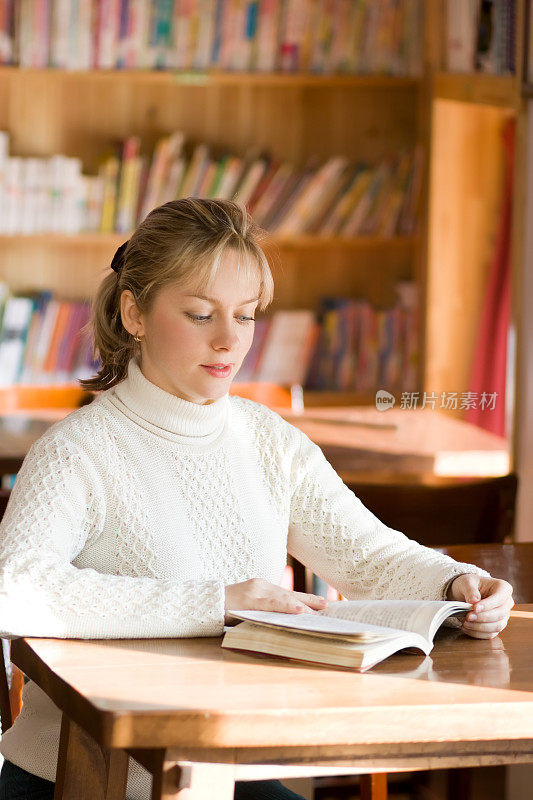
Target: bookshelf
[79, 113]
[294, 116]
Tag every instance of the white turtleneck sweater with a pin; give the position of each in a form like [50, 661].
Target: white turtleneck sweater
[129, 517]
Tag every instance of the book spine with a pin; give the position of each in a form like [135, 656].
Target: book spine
[110, 174]
[217, 32]
[268, 21]
[127, 185]
[16, 320]
[34, 331]
[58, 332]
[206, 29]
[6, 32]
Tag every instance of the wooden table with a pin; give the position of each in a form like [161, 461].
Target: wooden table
[402, 442]
[199, 716]
[360, 442]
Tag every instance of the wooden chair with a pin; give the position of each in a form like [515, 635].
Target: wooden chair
[511, 562]
[269, 394]
[454, 513]
[20, 397]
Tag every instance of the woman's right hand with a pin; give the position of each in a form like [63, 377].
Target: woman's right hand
[260, 595]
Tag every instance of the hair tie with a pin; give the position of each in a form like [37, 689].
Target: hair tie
[118, 259]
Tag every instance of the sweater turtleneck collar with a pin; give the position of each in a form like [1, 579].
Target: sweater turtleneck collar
[168, 415]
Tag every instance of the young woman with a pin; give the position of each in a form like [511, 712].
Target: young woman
[167, 503]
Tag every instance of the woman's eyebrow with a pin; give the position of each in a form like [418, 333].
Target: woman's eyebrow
[215, 301]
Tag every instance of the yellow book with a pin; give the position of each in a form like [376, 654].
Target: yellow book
[129, 175]
[109, 171]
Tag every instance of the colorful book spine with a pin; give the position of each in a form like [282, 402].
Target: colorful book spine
[323, 36]
[16, 319]
[7, 32]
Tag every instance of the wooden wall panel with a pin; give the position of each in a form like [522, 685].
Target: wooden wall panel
[83, 113]
[465, 196]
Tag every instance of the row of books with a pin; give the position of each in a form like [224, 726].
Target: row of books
[481, 36]
[42, 339]
[348, 345]
[322, 36]
[41, 195]
[334, 198]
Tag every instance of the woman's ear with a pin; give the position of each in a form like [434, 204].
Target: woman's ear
[130, 314]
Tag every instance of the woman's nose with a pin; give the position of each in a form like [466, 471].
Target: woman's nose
[226, 336]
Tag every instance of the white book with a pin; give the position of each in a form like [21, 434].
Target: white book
[180, 56]
[349, 633]
[206, 31]
[13, 194]
[67, 172]
[266, 50]
[59, 41]
[462, 19]
[133, 51]
[84, 35]
[30, 194]
[108, 30]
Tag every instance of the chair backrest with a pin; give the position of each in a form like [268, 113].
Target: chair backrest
[269, 394]
[512, 562]
[444, 511]
[19, 397]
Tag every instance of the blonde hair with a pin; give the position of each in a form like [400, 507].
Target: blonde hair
[178, 242]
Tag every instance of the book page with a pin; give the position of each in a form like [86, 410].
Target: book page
[319, 624]
[420, 616]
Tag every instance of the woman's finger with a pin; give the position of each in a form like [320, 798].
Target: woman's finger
[492, 614]
[493, 594]
[314, 600]
[284, 603]
[486, 627]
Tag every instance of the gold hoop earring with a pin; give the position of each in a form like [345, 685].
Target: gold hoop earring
[137, 338]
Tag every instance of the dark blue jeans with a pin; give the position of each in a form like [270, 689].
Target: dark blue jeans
[17, 784]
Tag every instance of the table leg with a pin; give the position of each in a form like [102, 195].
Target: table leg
[86, 771]
[373, 786]
[193, 782]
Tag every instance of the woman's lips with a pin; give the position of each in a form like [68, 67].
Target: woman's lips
[218, 373]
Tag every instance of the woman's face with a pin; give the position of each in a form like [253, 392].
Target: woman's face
[184, 333]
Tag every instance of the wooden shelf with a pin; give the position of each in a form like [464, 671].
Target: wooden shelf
[213, 78]
[315, 399]
[30, 397]
[478, 88]
[68, 396]
[298, 242]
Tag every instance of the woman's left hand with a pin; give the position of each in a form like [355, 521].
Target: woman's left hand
[492, 601]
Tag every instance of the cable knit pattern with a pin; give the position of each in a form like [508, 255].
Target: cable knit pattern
[130, 516]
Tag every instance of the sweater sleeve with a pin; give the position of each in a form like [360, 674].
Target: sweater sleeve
[56, 505]
[337, 537]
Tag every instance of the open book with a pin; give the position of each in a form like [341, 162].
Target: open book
[348, 633]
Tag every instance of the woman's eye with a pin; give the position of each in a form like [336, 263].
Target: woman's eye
[199, 318]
